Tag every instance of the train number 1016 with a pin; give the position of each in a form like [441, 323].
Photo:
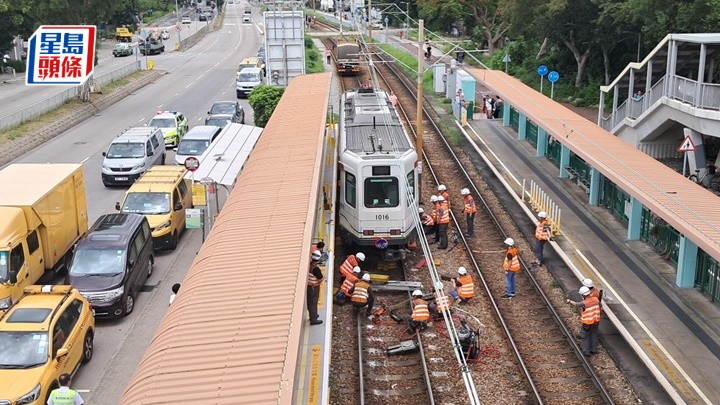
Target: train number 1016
[382, 217]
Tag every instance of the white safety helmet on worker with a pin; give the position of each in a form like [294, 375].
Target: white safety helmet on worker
[464, 192]
[588, 283]
[442, 187]
[316, 255]
[366, 277]
[360, 256]
[433, 198]
[462, 271]
[542, 214]
[440, 198]
[417, 293]
[357, 269]
[509, 242]
[584, 291]
[420, 210]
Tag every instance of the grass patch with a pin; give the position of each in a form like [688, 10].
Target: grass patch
[313, 59]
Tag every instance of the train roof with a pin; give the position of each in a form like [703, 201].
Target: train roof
[361, 107]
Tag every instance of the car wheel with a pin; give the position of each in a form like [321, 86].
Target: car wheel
[150, 266]
[238, 95]
[173, 241]
[129, 304]
[88, 348]
[162, 162]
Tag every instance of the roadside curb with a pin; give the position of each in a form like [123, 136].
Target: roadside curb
[18, 147]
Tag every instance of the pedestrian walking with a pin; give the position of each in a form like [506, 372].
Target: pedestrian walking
[511, 265]
[64, 395]
[363, 296]
[428, 48]
[442, 215]
[175, 289]
[542, 235]
[589, 309]
[469, 210]
[420, 313]
[393, 99]
[427, 221]
[315, 279]
[328, 55]
[442, 192]
[464, 286]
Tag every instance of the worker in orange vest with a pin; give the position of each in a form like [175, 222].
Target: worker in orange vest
[433, 215]
[353, 260]
[347, 282]
[362, 295]
[589, 309]
[314, 280]
[428, 223]
[442, 215]
[440, 304]
[542, 235]
[320, 249]
[420, 314]
[442, 192]
[470, 210]
[511, 265]
[594, 292]
[464, 286]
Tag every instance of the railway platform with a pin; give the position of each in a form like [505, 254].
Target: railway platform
[676, 329]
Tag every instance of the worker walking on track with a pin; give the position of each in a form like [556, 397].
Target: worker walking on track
[511, 265]
[353, 260]
[589, 318]
[464, 286]
[64, 395]
[362, 295]
[420, 314]
[427, 221]
[442, 192]
[470, 210]
[542, 235]
[315, 279]
[442, 215]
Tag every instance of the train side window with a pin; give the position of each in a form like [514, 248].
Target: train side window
[350, 189]
[411, 185]
[33, 242]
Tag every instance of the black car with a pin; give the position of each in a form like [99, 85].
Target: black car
[232, 108]
[219, 120]
[203, 17]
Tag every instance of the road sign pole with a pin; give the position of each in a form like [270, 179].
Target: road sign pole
[541, 83]
[552, 90]
[684, 162]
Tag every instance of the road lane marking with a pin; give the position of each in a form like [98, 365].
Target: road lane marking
[85, 160]
[160, 106]
[141, 119]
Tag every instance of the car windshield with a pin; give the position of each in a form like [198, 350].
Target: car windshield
[23, 349]
[123, 150]
[248, 77]
[192, 147]
[224, 108]
[121, 46]
[4, 263]
[97, 261]
[147, 203]
[218, 122]
[162, 122]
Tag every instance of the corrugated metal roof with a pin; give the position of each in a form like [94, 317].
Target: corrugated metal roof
[232, 335]
[26, 183]
[684, 205]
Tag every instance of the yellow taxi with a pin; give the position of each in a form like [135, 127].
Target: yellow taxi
[47, 332]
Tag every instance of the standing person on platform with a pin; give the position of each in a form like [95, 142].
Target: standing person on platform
[498, 107]
[362, 295]
[328, 55]
[511, 265]
[315, 279]
[442, 213]
[489, 107]
[589, 309]
[64, 395]
[469, 210]
[542, 235]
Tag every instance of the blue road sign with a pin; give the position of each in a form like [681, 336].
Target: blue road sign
[553, 76]
[542, 70]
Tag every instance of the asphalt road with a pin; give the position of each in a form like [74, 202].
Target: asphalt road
[196, 78]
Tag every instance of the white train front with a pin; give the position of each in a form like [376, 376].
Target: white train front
[378, 172]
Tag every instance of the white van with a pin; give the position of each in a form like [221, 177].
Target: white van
[247, 80]
[196, 142]
[131, 154]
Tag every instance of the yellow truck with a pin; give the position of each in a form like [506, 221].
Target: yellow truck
[123, 34]
[43, 212]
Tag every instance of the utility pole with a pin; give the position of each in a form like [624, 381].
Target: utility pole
[419, 114]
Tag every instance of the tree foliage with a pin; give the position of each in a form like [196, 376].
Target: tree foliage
[263, 100]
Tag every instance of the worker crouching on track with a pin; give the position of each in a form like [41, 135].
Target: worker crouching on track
[346, 285]
[469, 210]
[363, 296]
[442, 216]
[315, 279]
[427, 221]
[589, 318]
[511, 265]
[464, 286]
[420, 314]
[353, 260]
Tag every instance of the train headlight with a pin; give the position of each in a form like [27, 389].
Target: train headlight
[368, 232]
[395, 232]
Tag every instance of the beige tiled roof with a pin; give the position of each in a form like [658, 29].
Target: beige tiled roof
[686, 206]
[232, 335]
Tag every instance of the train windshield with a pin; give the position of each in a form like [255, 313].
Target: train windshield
[381, 192]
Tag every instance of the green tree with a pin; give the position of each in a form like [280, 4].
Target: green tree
[488, 22]
[263, 100]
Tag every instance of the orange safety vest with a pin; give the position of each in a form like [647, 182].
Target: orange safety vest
[348, 284]
[514, 263]
[446, 196]
[347, 267]
[443, 215]
[470, 207]
[360, 294]
[542, 230]
[467, 289]
[590, 313]
[420, 310]
[442, 302]
[313, 281]
[426, 219]
[435, 208]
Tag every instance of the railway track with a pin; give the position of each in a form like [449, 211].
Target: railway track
[546, 354]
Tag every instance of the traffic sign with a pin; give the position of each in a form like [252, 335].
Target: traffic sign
[553, 76]
[542, 70]
[687, 145]
[192, 163]
[506, 58]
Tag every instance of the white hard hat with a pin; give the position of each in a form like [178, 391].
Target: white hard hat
[584, 291]
[509, 242]
[420, 210]
[433, 198]
[464, 192]
[442, 187]
[360, 256]
[440, 198]
[417, 293]
[542, 214]
[316, 255]
[366, 277]
[462, 271]
[588, 283]
[356, 269]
